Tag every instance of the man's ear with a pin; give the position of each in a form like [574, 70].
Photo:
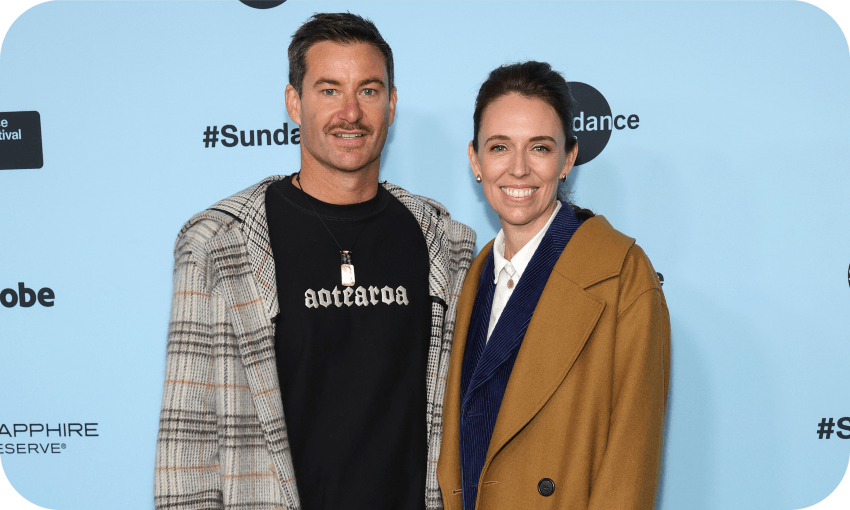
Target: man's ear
[473, 160]
[393, 99]
[293, 104]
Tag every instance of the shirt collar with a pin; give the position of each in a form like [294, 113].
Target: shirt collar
[521, 259]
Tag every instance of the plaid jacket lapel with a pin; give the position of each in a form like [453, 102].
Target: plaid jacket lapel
[451, 246]
[246, 273]
[249, 209]
[255, 338]
[435, 238]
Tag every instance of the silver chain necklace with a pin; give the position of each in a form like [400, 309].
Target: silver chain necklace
[346, 261]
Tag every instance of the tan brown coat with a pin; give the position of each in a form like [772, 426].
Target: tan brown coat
[586, 399]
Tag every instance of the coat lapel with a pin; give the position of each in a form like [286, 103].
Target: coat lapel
[563, 321]
[447, 268]
[249, 209]
[439, 276]
[250, 288]
[439, 280]
[553, 342]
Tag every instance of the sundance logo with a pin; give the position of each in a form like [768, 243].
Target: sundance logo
[594, 121]
[26, 297]
[280, 136]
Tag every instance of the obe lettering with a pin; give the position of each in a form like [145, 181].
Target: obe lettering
[361, 296]
[27, 297]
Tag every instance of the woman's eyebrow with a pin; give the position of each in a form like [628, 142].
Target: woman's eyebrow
[497, 137]
[541, 138]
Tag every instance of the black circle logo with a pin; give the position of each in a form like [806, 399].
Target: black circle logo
[592, 121]
[262, 4]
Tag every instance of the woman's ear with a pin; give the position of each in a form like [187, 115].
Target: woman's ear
[569, 160]
[473, 161]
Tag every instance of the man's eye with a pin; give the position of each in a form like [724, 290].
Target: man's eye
[369, 92]
[329, 92]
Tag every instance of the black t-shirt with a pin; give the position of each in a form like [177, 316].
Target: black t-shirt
[352, 360]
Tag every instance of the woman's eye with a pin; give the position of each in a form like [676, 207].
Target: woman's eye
[540, 148]
[498, 148]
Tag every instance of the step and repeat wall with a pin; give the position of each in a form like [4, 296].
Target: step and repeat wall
[715, 133]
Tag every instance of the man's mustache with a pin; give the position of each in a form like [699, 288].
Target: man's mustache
[350, 126]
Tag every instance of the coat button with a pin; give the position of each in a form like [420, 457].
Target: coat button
[546, 487]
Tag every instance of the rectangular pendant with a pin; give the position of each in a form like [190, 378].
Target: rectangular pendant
[348, 275]
[347, 269]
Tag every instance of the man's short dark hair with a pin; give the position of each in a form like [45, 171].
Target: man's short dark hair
[342, 28]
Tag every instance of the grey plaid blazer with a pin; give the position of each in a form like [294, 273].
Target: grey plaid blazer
[222, 440]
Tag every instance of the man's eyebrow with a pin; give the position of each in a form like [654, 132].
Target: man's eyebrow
[369, 81]
[326, 81]
[336, 83]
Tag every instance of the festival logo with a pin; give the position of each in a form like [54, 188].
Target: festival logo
[20, 141]
[593, 121]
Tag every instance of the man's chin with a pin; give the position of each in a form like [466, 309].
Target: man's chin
[351, 166]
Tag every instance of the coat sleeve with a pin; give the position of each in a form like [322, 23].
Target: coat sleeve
[629, 471]
[187, 472]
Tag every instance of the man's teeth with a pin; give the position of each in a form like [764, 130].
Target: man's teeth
[518, 192]
[346, 136]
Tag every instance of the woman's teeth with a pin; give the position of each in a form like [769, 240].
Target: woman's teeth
[518, 192]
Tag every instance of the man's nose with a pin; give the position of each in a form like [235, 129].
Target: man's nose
[351, 111]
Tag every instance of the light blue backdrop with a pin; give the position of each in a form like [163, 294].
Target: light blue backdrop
[735, 184]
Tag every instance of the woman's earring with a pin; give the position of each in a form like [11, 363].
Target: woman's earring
[477, 178]
[564, 178]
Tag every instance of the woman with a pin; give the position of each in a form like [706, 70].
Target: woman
[557, 385]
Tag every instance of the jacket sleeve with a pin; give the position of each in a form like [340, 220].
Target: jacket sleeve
[629, 471]
[187, 473]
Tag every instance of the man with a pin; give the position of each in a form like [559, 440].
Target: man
[323, 297]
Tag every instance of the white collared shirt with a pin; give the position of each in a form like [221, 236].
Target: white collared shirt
[508, 272]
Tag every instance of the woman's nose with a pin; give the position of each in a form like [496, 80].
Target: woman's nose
[519, 166]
